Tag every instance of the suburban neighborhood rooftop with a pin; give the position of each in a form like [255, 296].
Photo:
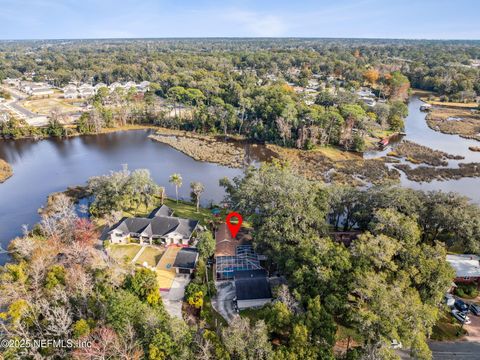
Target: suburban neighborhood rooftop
[465, 265]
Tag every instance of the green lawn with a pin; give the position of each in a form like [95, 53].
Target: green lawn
[344, 332]
[121, 252]
[188, 210]
[151, 255]
[183, 209]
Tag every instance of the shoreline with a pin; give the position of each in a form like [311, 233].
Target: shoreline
[6, 171]
[451, 121]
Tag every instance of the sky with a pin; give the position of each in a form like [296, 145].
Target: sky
[81, 19]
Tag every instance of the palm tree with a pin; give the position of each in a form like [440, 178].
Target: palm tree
[176, 179]
[197, 190]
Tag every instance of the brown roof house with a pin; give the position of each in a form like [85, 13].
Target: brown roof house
[234, 254]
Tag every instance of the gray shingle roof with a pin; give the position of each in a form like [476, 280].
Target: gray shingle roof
[158, 224]
[252, 288]
[186, 258]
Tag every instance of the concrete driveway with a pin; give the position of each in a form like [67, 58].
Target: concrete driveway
[173, 299]
[223, 302]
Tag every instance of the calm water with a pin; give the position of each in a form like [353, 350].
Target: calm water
[43, 167]
[417, 130]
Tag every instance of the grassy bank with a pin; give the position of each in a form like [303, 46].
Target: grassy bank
[5, 170]
[419, 154]
[455, 121]
[428, 174]
[204, 148]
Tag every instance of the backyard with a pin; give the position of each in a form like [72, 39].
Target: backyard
[183, 209]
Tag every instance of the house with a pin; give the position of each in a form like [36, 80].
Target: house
[252, 289]
[143, 86]
[160, 227]
[86, 91]
[130, 84]
[234, 254]
[368, 101]
[365, 92]
[98, 86]
[70, 93]
[115, 85]
[40, 90]
[186, 261]
[467, 268]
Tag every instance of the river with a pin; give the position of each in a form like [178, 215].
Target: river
[417, 131]
[46, 166]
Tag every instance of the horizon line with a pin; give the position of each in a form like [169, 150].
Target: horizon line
[237, 38]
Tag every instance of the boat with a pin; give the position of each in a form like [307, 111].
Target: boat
[384, 142]
[426, 107]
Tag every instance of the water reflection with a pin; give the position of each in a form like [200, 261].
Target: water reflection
[417, 131]
[43, 167]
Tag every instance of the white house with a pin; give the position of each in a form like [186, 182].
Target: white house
[143, 86]
[70, 93]
[160, 227]
[115, 85]
[98, 86]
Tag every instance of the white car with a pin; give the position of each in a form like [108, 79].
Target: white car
[396, 344]
[460, 316]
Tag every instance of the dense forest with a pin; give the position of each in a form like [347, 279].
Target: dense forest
[387, 285]
[251, 87]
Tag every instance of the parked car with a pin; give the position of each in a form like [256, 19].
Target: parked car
[460, 316]
[449, 300]
[461, 305]
[396, 344]
[475, 309]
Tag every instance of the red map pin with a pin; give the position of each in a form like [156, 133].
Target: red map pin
[235, 226]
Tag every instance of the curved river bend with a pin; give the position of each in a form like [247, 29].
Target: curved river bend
[417, 131]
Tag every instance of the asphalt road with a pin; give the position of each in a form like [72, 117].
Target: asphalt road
[464, 350]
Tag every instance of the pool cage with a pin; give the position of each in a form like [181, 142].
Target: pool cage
[245, 259]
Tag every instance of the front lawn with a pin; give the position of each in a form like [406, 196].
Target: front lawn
[151, 255]
[123, 252]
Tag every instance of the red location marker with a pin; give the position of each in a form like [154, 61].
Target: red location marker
[235, 226]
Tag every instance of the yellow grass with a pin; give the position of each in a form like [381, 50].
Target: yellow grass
[122, 252]
[5, 170]
[165, 270]
[45, 106]
[468, 105]
[151, 255]
[337, 154]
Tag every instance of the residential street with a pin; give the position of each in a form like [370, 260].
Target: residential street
[455, 350]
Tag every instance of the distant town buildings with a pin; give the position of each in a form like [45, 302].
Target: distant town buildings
[85, 91]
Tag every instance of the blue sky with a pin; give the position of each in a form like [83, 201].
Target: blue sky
[420, 19]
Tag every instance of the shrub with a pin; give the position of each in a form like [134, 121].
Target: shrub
[468, 291]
